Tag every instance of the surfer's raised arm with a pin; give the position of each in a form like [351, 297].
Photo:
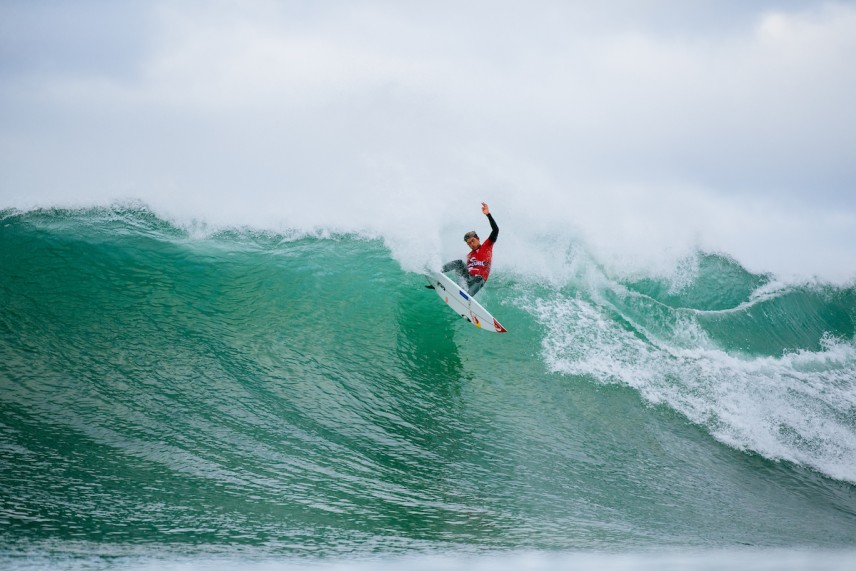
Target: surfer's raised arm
[494, 229]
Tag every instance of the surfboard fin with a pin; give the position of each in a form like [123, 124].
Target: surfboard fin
[430, 287]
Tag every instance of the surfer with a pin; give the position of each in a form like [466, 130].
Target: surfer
[477, 268]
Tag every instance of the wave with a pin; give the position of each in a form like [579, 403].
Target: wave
[308, 377]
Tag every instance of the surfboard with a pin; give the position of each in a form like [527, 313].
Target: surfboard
[463, 303]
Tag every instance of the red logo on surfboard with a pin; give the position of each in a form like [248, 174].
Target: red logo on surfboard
[475, 319]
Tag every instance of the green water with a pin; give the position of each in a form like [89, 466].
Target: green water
[165, 390]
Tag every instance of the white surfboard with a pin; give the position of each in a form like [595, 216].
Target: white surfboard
[463, 303]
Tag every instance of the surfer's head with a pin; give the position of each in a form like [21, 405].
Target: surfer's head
[472, 239]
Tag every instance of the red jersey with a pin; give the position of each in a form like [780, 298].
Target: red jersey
[478, 260]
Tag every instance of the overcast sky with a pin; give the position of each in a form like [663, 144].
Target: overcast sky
[728, 125]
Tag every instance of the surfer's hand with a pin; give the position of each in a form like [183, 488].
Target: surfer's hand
[485, 209]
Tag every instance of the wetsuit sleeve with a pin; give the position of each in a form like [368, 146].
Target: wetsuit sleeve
[494, 229]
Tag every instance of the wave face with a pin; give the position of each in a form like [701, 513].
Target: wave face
[165, 388]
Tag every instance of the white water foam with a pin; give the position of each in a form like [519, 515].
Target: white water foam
[797, 407]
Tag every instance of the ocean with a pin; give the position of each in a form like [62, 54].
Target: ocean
[183, 396]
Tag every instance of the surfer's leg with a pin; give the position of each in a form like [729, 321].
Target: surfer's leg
[474, 284]
[459, 267]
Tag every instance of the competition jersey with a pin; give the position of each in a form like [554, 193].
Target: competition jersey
[478, 261]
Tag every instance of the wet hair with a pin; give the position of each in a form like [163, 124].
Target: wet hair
[470, 234]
